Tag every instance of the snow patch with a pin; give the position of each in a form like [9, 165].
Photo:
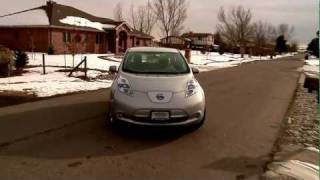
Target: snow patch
[108, 26]
[311, 68]
[51, 84]
[313, 149]
[297, 169]
[83, 22]
[312, 62]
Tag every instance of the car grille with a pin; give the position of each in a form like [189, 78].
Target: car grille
[149, 120]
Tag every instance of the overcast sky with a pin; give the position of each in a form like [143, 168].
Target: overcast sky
[202, 14]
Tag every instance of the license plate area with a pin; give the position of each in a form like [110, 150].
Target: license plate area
[160, 116]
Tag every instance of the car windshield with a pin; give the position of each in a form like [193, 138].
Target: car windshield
[155, 63]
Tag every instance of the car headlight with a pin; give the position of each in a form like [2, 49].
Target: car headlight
[192, 88]
[124, 86]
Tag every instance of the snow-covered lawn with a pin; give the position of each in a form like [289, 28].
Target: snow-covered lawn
[213, 60]
[93, 60]
[56, 82]
[51, 84]
[204, 62]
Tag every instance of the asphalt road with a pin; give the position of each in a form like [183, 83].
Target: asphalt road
[246, 106]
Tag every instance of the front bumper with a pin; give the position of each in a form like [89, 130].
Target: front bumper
[188, 122]
[137, 110]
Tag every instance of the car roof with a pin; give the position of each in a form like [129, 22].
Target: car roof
[153, 49]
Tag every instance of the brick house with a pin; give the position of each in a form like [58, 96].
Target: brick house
[66, 29]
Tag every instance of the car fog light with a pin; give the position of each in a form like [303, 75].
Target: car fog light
[120, 115]
[196, 115]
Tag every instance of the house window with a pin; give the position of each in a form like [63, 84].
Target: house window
[138, 42]
[66, 37]
[99, 39]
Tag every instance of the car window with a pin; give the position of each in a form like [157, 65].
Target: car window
[155, 63]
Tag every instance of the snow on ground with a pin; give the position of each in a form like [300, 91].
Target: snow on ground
[51, 84]
[57, 83]
[33, 17]
[311, 68]
[205, 62]
[297, 170]
[93, 60]
[112, 58]
[312, 62]
[213, 60]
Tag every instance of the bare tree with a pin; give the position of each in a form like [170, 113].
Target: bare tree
[143, 18]
[294, 46]
[151, 18]
[171, 15]
[271, 34]
[286, 31]
[264, 34]
[260, 33]
[118, 12]
[235, 27]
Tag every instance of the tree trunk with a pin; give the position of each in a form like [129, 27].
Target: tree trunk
[242, 51]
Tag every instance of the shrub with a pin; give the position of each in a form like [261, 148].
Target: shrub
[21, 60]
[50, 49]
[221, 50]
[281, 44]
[6, 60]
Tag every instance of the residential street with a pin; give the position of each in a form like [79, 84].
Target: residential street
[246, 106]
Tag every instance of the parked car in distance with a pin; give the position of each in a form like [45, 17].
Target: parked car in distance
[156, 87]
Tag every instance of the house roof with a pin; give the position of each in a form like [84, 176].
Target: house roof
[57, 15]
[56, 12]
[141, 34]
[178, 37]
[191, 34]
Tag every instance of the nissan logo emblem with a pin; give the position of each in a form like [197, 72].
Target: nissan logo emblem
[160, 97]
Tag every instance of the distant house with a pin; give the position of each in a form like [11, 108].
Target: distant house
[175, 42]
[201, 41]
[65, 30]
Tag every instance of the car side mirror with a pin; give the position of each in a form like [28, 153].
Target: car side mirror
[195, 71]
[113, 69]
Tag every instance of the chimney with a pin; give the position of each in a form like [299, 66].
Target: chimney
[49, 8]
[50, 2]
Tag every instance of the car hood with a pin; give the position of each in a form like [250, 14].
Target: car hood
[149, 83]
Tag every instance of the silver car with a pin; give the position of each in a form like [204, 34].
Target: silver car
[156, 87]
